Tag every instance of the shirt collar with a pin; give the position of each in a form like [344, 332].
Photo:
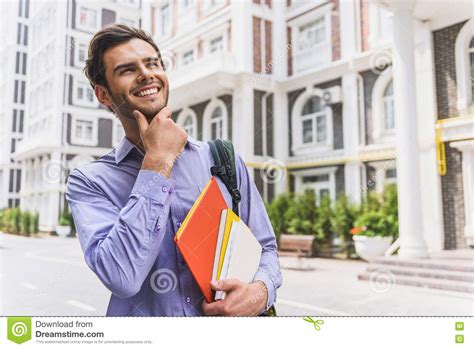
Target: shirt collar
[125, 147]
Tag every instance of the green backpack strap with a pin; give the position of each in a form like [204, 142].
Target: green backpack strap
[224, 168]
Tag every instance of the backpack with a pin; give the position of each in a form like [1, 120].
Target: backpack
[224, 168]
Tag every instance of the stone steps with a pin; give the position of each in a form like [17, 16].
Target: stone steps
[445, 272]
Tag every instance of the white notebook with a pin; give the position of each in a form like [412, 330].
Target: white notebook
[242, 256]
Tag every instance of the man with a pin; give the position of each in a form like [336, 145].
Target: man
[128, 205]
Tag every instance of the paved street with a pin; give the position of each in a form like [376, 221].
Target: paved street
[47, 276]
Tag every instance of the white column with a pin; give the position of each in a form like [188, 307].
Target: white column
[280, 103]
[431, 196]
[347, 13]
[467, 149]
[242, 118]
[350, 123]
[242, 35]
[412, 244]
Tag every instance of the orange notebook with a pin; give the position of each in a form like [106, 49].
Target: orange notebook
[197, 237]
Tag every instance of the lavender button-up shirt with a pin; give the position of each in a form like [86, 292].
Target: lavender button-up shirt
[126, 219]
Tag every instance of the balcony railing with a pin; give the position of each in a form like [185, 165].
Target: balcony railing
[317, 56]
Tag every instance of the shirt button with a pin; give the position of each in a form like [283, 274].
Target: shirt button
[178, 224]
[164, 189]
[188, 299]
[158, 226]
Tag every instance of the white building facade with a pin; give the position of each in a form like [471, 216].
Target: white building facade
[15, 35]
[65, 125]
[337, 96]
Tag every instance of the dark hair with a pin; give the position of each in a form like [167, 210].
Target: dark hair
[106, 38]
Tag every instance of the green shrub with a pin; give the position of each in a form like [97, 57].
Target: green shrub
[342, 222]
[322, 225]
[302, 214]
[65, 218]
[24, 224]
[34, 223]
[13, 220]
[373, 223]
[277, 211]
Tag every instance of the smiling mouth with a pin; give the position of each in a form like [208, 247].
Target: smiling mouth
[151, 92]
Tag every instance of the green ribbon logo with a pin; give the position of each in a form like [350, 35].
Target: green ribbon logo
[19, 329]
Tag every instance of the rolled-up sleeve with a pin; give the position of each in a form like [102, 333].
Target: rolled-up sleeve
[253, 213]
[121, 245]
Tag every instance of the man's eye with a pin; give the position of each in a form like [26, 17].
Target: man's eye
[154, 65]
[127, 70]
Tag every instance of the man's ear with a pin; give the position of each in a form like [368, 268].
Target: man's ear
[102, 95]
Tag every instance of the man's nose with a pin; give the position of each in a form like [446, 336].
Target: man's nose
[145, 73]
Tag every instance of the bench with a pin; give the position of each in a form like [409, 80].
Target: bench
[295, 245]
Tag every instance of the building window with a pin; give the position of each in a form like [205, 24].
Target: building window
[84, 95]
[20, 64]
[388, 107]
[311, 36]
[313, 119]
[82, 53]
[464, 60]
[216, 123]
[383, 107]
[188, 57]
[119, 133]
[108, 17]
[22, 34]
[311, 123]
[18, 119]
[189, 125]
[188, 120]
[471, 61]
[216, 44]
[88, 18]
[19, 92]
[321, 180]
[164, 20]
[84, 131]
[215, 120]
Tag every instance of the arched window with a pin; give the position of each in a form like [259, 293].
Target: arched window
[189, 125]
[464, 59]
[187, 119]
[383, 107]
[313, 122]
[215, 120]
[471, 61]
[217, 123]
[388, 107]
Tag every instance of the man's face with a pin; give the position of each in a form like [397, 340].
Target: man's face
[136, 79]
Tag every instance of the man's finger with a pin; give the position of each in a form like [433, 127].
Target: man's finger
[141, 121]
[165, 113]
[225, 285]
[213, 308]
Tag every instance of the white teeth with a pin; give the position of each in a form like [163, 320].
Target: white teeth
[147, 92]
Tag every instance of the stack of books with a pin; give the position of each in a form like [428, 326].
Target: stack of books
[216, 244]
